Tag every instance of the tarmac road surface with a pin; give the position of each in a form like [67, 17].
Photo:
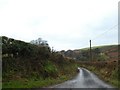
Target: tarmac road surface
[84, 79]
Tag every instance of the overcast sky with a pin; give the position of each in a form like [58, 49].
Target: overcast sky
[65, 24]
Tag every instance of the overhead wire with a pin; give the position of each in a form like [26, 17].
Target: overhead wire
[112, 28]
[98, 36]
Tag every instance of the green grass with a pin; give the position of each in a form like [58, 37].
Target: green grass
[34, 84]
[38, 83]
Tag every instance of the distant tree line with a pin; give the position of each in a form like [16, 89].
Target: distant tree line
[84, 55]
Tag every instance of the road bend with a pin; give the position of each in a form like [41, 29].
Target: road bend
[84, 79]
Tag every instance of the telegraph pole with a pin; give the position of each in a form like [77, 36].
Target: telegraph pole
[90, 52]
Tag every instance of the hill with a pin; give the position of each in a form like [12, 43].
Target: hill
[31, 65]
[105, 62]
[108, 52]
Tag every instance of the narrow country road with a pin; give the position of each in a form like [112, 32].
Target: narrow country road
[84, 79]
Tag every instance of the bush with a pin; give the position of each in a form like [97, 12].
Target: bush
[102, 57]
[50, 70]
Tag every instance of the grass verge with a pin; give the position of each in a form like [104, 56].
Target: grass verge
[35, 83]
[111, 78]
[39, 83]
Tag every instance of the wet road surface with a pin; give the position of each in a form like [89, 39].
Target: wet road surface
[84, 79]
